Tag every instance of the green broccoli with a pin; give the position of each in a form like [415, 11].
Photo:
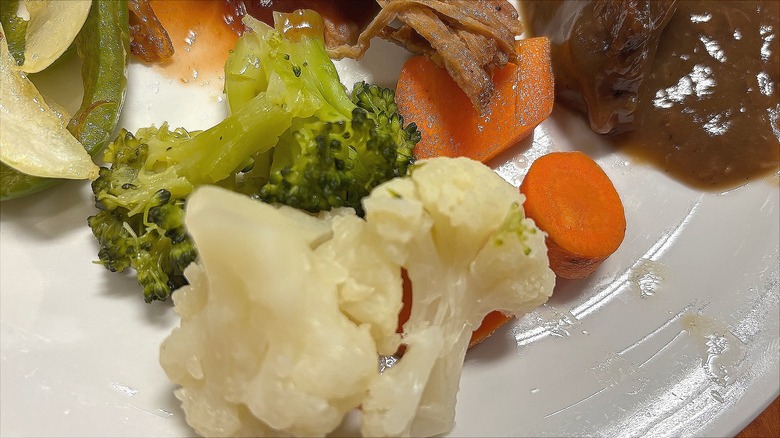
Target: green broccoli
[294, 136]
[319, 165]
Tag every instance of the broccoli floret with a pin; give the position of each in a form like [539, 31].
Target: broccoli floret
[294, 136]
[319, 165]
[335, 157]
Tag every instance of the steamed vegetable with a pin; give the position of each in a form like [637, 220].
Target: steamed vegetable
[14, 28]
[52, 27]
[460, 232]
[575, 203]
[294, 137]
[450, 124]
[286, 340]
[33, 139]
[103, 46]
[490, 323]
[333, 155]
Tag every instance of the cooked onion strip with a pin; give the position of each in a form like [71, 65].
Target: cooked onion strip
[33, 139]
[52, 28]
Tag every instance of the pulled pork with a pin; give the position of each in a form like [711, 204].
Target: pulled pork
[467, 37]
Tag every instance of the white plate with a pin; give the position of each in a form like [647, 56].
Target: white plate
[676, 334]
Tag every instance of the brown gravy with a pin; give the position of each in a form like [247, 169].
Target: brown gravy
[709, 107]
[711, 104]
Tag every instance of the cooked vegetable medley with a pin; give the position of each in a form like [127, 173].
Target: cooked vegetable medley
[313, 232]
[294, 137]
[291, 344]
[102, 44]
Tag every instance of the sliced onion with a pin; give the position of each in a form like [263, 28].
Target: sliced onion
[33, 139]
[53, 26]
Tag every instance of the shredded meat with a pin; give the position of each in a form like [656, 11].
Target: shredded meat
[148, 38]
[467, 37]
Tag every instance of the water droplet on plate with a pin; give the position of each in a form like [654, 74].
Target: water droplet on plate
[646, 277]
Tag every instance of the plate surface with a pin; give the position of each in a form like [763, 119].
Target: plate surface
[676, 334]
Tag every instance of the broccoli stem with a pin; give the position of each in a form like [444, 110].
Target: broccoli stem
[294, 136]
[215, 154]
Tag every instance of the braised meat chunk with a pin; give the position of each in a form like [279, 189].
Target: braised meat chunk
[689, 85]
[602, 52]
[148, 38]
[467, 37]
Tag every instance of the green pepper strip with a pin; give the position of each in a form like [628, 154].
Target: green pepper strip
[103, 45]
[15, 28]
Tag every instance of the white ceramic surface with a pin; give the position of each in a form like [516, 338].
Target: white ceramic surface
[676, 334]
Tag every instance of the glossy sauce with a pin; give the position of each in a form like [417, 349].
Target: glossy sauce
[204, 32]
[704, 108]
[711, 103]
[343, 14]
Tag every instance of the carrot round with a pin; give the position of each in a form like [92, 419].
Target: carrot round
[449, 123]
[571, 198]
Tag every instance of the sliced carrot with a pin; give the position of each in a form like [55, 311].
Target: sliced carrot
[490, 323]
[449, 123]
[571, 198]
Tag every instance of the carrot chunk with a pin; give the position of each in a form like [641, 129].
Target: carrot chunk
[571, 198]
[449, 123]
[490, 324]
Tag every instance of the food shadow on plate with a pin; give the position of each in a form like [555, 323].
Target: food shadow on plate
[500, 344]
[574, 128]
[568, 292]
[52, 213]
[171, 406]
[124, 285]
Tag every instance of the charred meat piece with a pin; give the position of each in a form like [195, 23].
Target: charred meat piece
[467, 37]
[602, 52]
[148, 38]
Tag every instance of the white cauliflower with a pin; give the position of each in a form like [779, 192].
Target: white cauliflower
[287, 314]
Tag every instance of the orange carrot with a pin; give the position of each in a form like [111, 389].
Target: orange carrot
[449, 123]
[571, 198]
[490, 323]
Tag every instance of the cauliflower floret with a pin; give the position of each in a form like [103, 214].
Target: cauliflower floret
[287, 314]
[468, 250]
[371, 293]
[262, 347]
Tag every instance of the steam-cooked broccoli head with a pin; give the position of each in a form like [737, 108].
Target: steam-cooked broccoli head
[294, 136]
